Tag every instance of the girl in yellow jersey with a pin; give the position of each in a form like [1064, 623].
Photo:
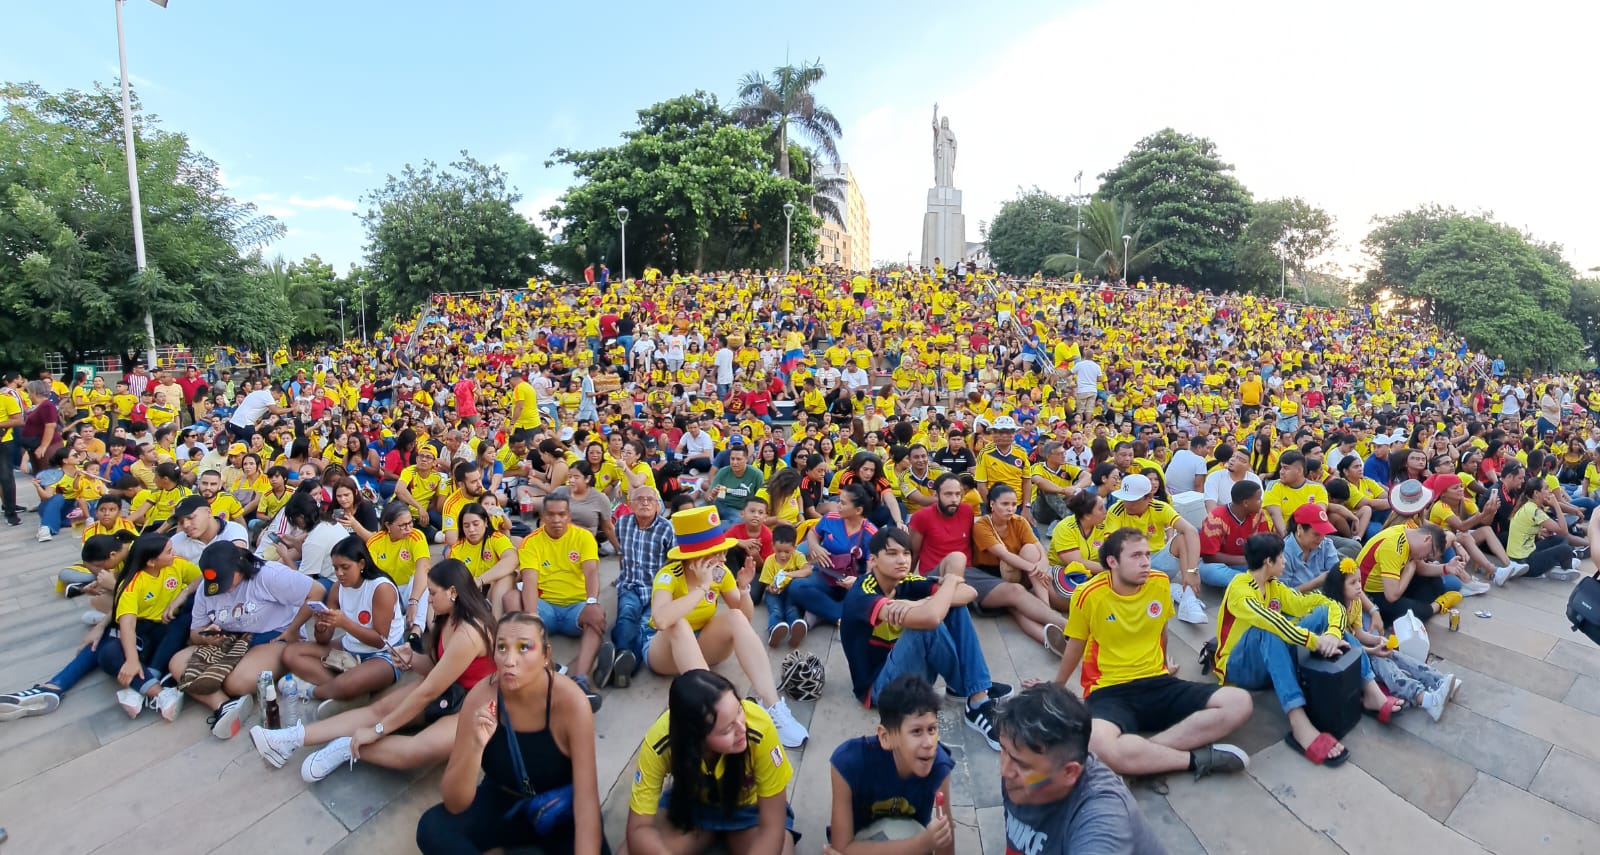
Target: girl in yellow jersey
[401, 551]
[152, 600]
[488, 554]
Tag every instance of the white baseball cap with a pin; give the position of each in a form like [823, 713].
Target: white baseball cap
[1134, 487]
[1004, 423]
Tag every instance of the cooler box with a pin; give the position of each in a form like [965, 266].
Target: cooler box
[1191, 506]
[1332, 688]
[783, 411]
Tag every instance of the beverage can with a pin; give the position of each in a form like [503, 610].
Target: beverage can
[1455, 620]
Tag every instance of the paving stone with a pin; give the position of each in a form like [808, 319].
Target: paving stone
[992, 830]
[1571, 781]
[1500, 633]
[1532, 714]
[356, 795]
[1535, 675]
[301, 824]
[1165, 822]
[1484, 743]
[394, 828]
[1414, 769]
[1584, 695]
[1212, 808]
[1576, 653]
[52, 749]
[1505, 819]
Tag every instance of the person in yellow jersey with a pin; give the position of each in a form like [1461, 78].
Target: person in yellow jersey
[1117, 629]
[152, 508]
[524, 404]
[1398, 570]
[401, 551]
[1005, 463]
[420, 486]
[729, 773]
[1134, 505]
[154, 596]
[1291, 490]
[12, 415]
[561, 584]
[1263, 620]
[466, 481]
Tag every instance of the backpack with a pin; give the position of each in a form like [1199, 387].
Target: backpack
[1583, 607]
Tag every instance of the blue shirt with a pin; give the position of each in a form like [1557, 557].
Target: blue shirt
[876, 789]
[1376, 468]
[837, 541]
[1300, 568]
[865, 640]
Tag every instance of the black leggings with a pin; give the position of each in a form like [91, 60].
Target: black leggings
[1417, 599]
[483, 826]
[1548, 553]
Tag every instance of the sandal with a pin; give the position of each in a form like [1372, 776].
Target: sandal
[1392, 706]
[1319, 749]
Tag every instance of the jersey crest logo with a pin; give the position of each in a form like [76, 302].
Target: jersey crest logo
[573, 555]
[405, 555]
[171, 582]
[1154, 609]
[1274, 605]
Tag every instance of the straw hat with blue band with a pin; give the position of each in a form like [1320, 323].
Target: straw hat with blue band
[700, 533]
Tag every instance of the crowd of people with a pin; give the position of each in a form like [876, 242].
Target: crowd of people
[401, 525]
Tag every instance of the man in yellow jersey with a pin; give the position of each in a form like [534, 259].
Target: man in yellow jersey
[1134, 505]
[524, 404]
[1006, 464]
[11, 418]
[1399, 575]
[1117, 628]
[1262, 618]
[561, 584]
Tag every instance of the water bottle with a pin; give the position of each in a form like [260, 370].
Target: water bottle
[289, 691]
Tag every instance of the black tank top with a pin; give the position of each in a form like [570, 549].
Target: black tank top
[548, 769]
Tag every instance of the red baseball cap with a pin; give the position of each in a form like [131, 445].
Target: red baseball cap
[1315, 515]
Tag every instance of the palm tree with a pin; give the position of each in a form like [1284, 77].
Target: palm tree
[827, 197]
[1105, 221]
[785, 99]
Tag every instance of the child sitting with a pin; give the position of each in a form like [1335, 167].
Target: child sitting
[783, 566]
[895, 785]
[1403, 676]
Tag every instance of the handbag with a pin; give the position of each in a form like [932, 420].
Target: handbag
[545, 811]
[1583, 607]
[448, 703]
[210, 665]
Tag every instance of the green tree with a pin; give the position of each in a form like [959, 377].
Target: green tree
[447, 229]
[1026, 229]
[1106, 222]
[701, 194]
[786, 99]
[68, 281]
[1285, 238]
[1501, 291]
[1190, 202]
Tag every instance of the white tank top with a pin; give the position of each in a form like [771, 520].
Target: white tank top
[357, 603]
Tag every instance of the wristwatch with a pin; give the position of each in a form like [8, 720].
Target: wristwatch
[378, 728]
[592, 601]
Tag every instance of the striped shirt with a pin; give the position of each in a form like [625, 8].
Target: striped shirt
[644, 550]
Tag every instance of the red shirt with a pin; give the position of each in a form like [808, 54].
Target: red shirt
[466, 397]
[742, 532]
[757, 402]
[941, 535]
[1224, 534]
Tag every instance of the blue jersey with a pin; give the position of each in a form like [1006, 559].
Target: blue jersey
[876, 789]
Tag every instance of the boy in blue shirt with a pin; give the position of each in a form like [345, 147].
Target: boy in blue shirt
[891, 790]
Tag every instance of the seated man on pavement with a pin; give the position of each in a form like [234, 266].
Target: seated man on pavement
[560, 583]
[1256, 630]
[1117, 629]
[900, 622]
[1225, 530]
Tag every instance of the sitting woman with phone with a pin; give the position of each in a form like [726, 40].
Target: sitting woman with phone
[244, 610]
[460, 654]
[366, 605]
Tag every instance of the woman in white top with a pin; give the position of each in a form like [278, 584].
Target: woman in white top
[366, 605]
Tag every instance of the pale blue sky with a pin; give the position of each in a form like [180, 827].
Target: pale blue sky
[1365, 108]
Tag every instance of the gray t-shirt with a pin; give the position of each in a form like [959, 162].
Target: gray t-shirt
[1099, 817]
[588, 511]
[266, 602]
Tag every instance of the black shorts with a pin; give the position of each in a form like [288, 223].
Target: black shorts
[1150, 705]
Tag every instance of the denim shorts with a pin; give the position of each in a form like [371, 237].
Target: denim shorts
[715, 819]
[561, 620]
[379, 654]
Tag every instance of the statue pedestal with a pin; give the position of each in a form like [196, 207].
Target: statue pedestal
[944, 228]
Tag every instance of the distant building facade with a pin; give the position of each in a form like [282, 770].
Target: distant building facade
[849, 245]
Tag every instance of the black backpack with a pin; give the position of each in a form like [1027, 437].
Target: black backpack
[1583, 607]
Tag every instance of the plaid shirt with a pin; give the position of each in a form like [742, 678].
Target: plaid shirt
[644, 550]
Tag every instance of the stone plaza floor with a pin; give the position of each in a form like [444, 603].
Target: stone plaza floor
[1513, 767]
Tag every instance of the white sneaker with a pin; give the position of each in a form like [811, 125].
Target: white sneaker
[1562, 574]
[1501, 574]
[1475, 587]
[1190, 609]
[92, 617]
[1055, 640]
[1433, 701]
[131, 702]
[170, 703]
[322, 762]
[277, 746]
[790, 732]
[226, 720]
[44, 534]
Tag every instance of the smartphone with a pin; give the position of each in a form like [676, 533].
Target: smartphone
[317, 606]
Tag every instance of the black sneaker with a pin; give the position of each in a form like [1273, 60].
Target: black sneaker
[982, 720]
[604, 661]
[76, 589]
[13, 520]
[996, 691]
[1581, 552]
[29, 702]
[622, 670]
[1219, 757]
[226, 721]
[594, 697]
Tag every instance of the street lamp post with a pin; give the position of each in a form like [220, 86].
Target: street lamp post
[1126, 239]
[1283, 258]
[133, 181]
[1077, 245]
[622, 220]
[361, 293]
[788, 218]
[341, 320]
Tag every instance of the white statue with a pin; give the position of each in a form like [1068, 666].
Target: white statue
[944, 151]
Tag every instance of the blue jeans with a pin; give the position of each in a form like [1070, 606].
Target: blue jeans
[1261, 659]
[950, 650]
[156, 643]
[561, 620]
[813, 594]
[781, 608]
[633, 607]
[1218, 575]
[80, 666]
[53, 513]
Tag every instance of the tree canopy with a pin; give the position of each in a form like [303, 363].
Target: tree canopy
[1284, 238]
[447, 229]
[785, 100]
[1503, 292]
[68, 281]
[1189, 201]
[1028, 228]
[702, 193]
[1112, 236]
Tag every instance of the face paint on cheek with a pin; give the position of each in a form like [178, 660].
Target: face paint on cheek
[1034, 781]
